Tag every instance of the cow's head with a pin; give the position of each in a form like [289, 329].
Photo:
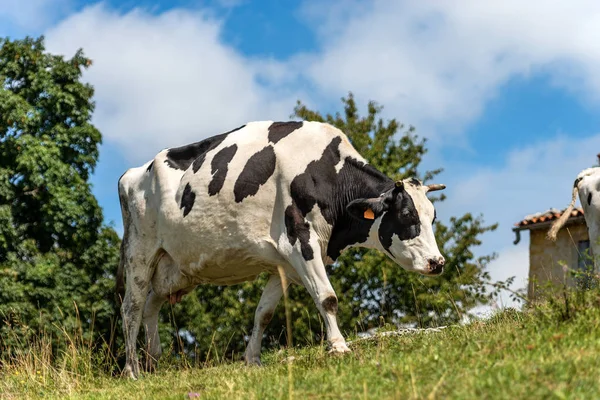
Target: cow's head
[403, 219]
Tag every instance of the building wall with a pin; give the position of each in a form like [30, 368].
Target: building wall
[544, 256]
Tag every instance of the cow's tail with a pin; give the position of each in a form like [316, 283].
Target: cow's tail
[120, 281]
[565, 215]
[119, 277]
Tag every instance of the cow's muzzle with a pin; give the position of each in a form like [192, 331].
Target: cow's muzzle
[435, 265]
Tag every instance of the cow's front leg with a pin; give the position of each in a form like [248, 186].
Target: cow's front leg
[314, 278]
[264, 312]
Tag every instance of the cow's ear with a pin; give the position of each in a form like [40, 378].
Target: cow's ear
[367, 209]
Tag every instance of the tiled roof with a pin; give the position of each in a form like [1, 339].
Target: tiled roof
[546, 216]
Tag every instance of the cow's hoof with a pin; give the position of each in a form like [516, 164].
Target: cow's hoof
[130, 372]
[339, 348]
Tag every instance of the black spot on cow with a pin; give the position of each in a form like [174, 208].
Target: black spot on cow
[279, 130]
[314, 186]
[182, 157]
[330, 305]
[320, 184]
[415, 182]
[219, 168]
[589, 199]
[401, 219]
[187, 199]
[258, 169]
[298, 229]
[197, 164]
[150, 167]
[355, 180]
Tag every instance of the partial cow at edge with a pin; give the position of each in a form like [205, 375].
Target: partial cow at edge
[587, 186]
[267, 194]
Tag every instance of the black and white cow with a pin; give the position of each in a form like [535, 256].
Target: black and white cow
[267, 194]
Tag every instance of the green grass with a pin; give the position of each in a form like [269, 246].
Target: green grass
[513, 355]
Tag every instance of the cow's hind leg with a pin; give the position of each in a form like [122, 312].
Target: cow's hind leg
[136, 290]
[264, 312]
[150, 322]
[167, 284]
[135, 297]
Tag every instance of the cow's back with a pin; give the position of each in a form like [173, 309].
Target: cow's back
[228, 194]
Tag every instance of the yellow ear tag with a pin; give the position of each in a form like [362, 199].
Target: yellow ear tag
[369, 214]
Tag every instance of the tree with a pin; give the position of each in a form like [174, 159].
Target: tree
[56, 255]
[372, 289]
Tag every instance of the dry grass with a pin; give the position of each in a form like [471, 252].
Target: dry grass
[536, 354]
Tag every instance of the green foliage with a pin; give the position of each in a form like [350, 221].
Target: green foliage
[372, 289]
[574, 294]
[218, 318]
[55, 252]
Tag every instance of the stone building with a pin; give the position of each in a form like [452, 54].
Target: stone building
[547, 259]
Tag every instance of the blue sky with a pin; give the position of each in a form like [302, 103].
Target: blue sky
[508, 100]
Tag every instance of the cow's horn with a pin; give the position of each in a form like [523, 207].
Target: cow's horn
[435, 186]
[399, 184]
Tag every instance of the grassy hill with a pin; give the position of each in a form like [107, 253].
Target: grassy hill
[548, 352]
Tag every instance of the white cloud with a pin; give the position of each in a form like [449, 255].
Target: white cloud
[532, 179]
[166, 80]
[435, 64]
[159, 78]
[30, 15]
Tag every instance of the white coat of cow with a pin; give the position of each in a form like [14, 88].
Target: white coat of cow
[267, 194]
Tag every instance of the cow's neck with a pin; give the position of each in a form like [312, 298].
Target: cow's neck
[355, 180]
